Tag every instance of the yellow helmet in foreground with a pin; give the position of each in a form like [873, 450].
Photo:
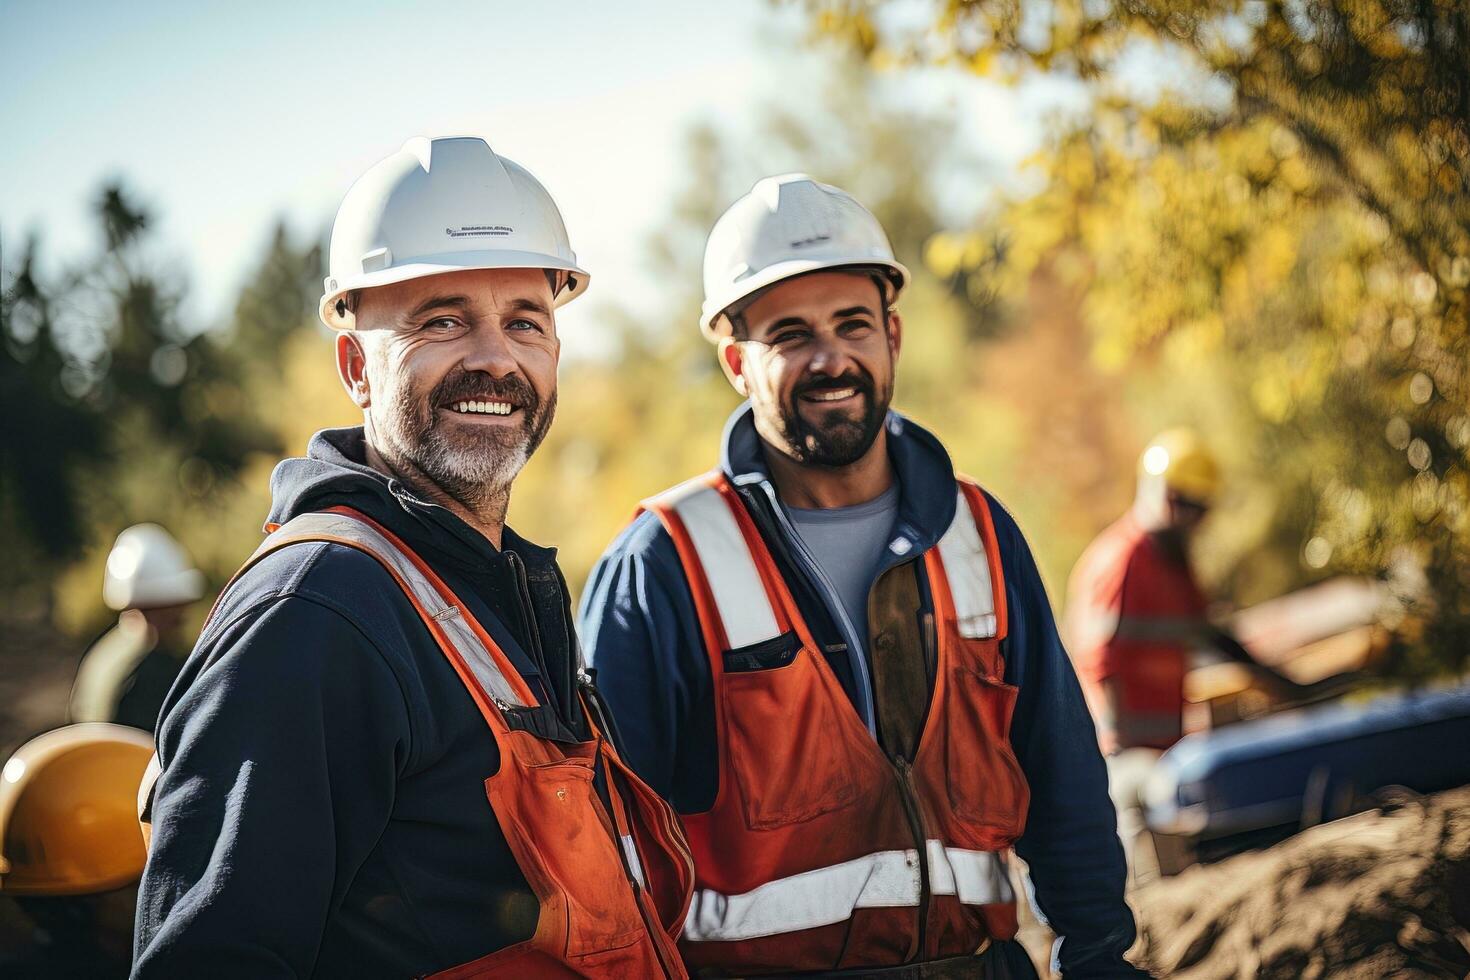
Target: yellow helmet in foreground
[1179, 458]
[68, 811]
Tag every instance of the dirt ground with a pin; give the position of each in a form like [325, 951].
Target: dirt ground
[1378, 895]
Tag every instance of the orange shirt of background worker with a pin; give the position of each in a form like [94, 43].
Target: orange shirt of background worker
[1134, 610]
[1140, 603]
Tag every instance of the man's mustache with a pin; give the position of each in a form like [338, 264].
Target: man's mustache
[862, 383]
[478, 386]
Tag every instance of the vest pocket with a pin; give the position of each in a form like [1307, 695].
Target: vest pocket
[986, 785]
[579, 860]
[770, 654]
[786, 745]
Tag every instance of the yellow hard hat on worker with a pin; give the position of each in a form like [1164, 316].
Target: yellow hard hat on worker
[68, 811]
[1180, 459]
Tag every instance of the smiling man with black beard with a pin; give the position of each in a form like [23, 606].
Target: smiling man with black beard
[836, 657]
[382, 758]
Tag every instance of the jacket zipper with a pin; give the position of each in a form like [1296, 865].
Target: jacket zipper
[858, 651]
[916, 827]
[533, 633]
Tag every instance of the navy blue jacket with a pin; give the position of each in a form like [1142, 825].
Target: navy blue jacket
[322, 808]
[642, 637]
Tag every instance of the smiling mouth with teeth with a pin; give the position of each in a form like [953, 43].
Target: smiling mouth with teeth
[483, 408]
[829, 394]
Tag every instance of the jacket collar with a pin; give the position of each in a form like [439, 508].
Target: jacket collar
[926, 479]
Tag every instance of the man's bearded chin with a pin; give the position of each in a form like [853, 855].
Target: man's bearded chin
[836, 438]
[474, 464]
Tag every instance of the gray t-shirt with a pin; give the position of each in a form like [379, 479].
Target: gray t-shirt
[848, 543]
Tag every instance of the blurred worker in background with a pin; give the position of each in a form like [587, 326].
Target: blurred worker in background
[1135, 615]
[816, 650]
[126, 674]
[382, 759]
[71, 851]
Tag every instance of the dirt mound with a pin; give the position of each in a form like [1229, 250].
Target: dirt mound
[1378, 895]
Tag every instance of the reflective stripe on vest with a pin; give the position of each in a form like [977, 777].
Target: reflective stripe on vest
[451, 625]
[822, 896]
[744, 607]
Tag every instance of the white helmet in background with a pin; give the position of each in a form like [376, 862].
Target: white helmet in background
[788, 226]
[443, 205]
[148, 569]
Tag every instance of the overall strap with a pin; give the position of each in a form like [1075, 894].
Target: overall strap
[971, 560]
[477, 658]
[493, 683]
[701, 516]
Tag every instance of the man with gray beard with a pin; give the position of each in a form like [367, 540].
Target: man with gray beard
[383, 757]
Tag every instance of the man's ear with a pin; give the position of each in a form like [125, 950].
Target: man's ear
[352, 368]
[732, 362]
[895, 332]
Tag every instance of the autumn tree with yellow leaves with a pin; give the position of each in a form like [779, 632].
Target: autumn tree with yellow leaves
[1272, 239]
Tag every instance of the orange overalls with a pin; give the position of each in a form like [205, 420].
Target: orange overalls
[613, 881]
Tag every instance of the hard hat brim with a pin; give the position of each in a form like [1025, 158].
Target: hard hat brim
[790, 269]
[178, 589]
[437, 265]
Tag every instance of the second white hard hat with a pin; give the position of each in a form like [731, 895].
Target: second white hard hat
[443, 205]
[788, 226]
[148, 569]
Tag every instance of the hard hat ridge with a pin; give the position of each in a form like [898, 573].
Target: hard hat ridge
[786, 226]
[443, 205]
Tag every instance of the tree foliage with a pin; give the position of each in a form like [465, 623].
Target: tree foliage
[1272, 238]
[117, 411]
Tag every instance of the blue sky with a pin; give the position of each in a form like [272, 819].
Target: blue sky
[224, 117]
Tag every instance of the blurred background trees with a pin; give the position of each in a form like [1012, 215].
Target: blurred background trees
[1270, 236]
[1264, 238]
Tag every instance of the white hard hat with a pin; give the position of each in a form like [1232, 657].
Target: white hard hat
[787, 226]
[443, 205]
[148, 569]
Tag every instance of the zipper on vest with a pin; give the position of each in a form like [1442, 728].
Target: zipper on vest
[858, 651]
[916, 826]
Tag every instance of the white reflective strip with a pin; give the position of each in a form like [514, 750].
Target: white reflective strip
[630, 849]
[310, 526]
[968, 569]
[974, 877]
[887, 879]
[745, 609]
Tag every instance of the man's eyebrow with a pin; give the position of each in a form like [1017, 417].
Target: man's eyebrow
[436, 302]
[786, 321]
[525, 305]
[853, 311]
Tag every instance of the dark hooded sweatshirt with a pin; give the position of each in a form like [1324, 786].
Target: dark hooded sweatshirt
[322, 808]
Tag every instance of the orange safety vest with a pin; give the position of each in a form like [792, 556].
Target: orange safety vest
[820, 852]
[613, 882]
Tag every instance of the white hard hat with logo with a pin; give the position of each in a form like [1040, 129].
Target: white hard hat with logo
[148, 569]
[443, 205]
[788, 226]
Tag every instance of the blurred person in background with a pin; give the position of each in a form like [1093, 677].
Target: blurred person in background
[126, 674]
[382, 759]
[71, 850]
[1136, 616]
[837, 658]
